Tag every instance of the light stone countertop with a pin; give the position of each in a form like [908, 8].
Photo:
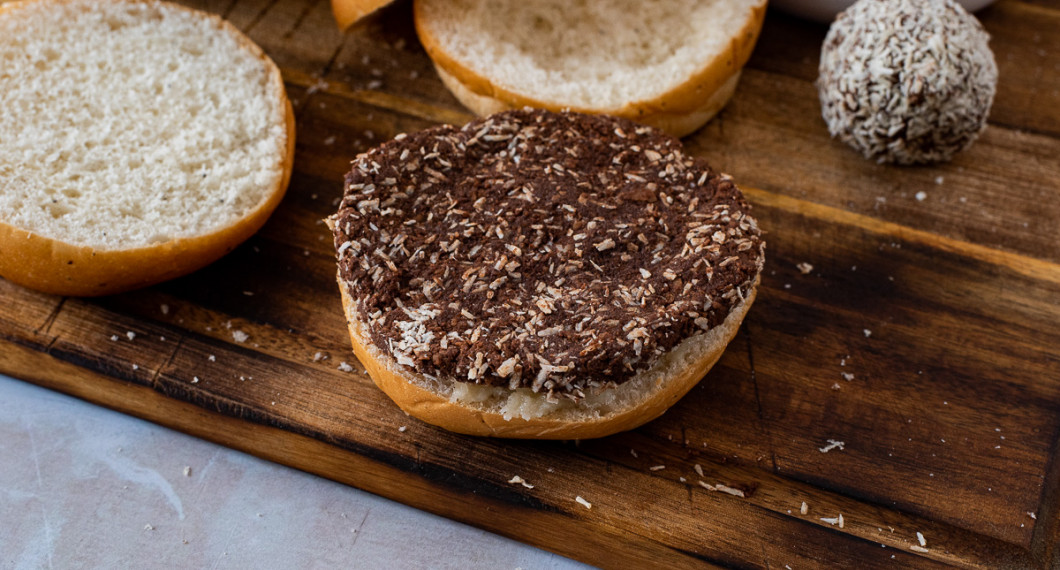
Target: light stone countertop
[86, 487]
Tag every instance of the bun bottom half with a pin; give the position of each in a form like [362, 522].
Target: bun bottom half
[500, 412]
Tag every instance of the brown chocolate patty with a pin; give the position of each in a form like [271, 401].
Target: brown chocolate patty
[554, 251]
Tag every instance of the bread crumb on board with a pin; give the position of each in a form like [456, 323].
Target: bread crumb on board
[343, 366]
[240, 336]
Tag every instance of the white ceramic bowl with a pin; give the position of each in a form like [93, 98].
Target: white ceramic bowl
[826, 10]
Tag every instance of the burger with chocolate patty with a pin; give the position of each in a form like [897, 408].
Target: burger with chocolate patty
[541, 275]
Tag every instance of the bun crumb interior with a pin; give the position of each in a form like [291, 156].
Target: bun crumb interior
[671, 64]
[132, 126]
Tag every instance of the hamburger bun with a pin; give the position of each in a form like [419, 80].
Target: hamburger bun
[139, 141]
[671, 65]
[541, 275]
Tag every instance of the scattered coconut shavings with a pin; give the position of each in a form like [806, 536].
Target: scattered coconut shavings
[804, 509]
[131, 335]
[840, 520]
[633, 452]
[402, 429]
[832, 444]
[867, 333]
[114, 337]
[830, 520]
[135, 366]
[920, 538]
[345, 367]
[730, 490]
[804, 268]
[211, 358]
[583, 502]
[1032, 515]
[517, 480]
[921, 196]
[847, 376]
[240, 336]
[699, 469]
[319, 356]
[918, 548]
[164, 308]
[707, 486]
[194, 379]
[657, 468]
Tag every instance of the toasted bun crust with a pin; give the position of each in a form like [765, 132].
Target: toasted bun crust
[57, 267]
[662, 386]
[679, 111]
[347, 12]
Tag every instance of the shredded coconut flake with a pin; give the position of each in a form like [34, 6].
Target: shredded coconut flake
[583, 502]
[832, 444]
[517, 480]
[240, 336]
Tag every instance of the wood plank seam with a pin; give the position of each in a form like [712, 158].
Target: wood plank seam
[1045, 540]
[1027, 266]
[47, 324]
[260, 16]
[758, 398]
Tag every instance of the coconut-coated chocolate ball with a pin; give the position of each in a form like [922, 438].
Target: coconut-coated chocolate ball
[906, 81]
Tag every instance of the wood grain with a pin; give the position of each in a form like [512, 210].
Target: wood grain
[926, 337]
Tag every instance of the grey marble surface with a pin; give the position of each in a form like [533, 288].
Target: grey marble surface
[85, 487]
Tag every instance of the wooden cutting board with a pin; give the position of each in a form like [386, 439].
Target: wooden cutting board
[907, 385]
